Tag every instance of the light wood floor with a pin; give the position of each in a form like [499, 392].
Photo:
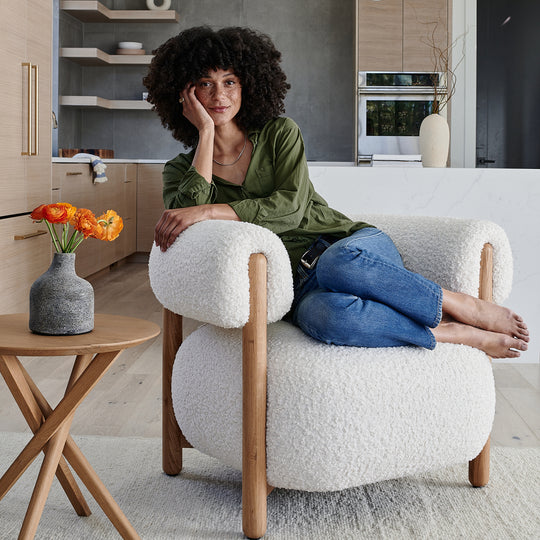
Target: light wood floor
[127, 401]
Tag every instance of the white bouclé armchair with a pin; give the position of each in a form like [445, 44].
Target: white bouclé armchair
[291, 412]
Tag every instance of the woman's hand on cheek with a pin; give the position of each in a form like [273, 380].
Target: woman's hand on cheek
[194, 111]
[173, 222]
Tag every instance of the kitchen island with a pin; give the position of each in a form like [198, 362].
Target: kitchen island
[508, 197]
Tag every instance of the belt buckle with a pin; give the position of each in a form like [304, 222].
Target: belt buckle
[306, 263]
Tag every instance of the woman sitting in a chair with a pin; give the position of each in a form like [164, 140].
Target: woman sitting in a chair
[222, 93]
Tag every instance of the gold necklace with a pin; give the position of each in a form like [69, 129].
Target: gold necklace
[236, 160]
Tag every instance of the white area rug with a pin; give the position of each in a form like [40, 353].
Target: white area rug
[204, 502]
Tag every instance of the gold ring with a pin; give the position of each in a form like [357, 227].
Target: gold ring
[181, 100]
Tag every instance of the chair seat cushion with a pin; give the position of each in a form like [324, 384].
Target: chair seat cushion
[337, 417]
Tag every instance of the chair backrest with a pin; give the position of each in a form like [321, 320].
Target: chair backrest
[448, 250]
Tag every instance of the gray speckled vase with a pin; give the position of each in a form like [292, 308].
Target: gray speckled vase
[61, 302]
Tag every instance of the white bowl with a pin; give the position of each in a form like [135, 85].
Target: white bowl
[129, 45]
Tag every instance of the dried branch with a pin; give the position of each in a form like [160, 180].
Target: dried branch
[443, 90]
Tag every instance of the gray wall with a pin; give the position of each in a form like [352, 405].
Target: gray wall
[316, 38]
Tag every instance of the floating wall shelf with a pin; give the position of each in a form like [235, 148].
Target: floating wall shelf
[95, 102]
[88, 56]
[92, 11]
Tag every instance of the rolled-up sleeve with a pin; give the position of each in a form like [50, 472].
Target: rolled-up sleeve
[284, 209]
[183, 186]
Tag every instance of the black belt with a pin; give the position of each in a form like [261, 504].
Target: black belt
[311, 256]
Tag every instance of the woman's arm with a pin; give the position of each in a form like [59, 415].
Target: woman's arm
[197, 115]
[190, 200]
[176, 220]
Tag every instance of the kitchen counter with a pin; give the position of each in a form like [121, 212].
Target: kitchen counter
[121, 160]
[125, 160]
[509, 197]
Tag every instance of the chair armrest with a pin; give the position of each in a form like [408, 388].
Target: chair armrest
[448, 250]
[204, 274]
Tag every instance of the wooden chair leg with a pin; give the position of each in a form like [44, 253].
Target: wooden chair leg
[254, 486]
[479, 466]
[171, 434]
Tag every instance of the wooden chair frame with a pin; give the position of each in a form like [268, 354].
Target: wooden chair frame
[255, 488]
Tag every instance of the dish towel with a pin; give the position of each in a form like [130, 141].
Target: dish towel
[97, 165]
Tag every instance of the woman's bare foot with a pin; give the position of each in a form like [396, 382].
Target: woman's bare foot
[494, 344]
[485, 315]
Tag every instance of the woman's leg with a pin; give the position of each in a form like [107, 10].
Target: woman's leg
[368, 266]
[345, 319]
[374, 271]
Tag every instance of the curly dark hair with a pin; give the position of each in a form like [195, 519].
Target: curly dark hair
[190, 55]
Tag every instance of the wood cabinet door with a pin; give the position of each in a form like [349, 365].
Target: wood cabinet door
[74, 184]
[13, 108]
[425, 34]
[380, 35]
[25, 138]
[39, 52]
[149, 203]
[26, 254]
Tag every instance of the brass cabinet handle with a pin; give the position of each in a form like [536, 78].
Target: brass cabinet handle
[29, 235]
[28, 65]
[73, 173]
[36, 111]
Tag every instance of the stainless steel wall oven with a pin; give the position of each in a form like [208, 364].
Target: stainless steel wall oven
[391, 107]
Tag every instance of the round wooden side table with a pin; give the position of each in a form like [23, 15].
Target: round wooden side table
[94, 354]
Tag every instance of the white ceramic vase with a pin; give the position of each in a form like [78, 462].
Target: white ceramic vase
[434, 141]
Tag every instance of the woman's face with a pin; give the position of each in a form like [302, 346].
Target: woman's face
[220, 93]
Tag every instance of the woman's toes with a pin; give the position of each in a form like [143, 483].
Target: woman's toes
[520, 345]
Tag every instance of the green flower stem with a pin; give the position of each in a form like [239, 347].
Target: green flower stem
[54, 237]
[65, 230]
[78, 241]
[69, 247]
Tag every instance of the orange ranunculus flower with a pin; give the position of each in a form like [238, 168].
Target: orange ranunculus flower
[37, 213]
[70, 209]
[84, 221]
[111, 224]
[55, 213]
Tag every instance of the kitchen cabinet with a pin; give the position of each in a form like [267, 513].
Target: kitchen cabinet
[25, 87]
[149, 203]
[73, 183]
[26, 254]
[25, 139]
[399, 35]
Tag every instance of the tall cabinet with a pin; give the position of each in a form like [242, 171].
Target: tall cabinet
[25, 139]
[400, 35]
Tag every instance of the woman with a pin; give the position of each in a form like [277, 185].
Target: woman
[222, 93]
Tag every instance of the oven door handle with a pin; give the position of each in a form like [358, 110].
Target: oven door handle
[399, 91]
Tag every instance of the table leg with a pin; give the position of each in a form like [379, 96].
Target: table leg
[43, 483]
[67, 405]
[21, 387]
[49, 466]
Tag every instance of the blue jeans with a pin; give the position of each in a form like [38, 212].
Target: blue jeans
[360, 294]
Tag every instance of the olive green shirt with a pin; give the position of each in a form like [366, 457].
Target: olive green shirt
[277, 192]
